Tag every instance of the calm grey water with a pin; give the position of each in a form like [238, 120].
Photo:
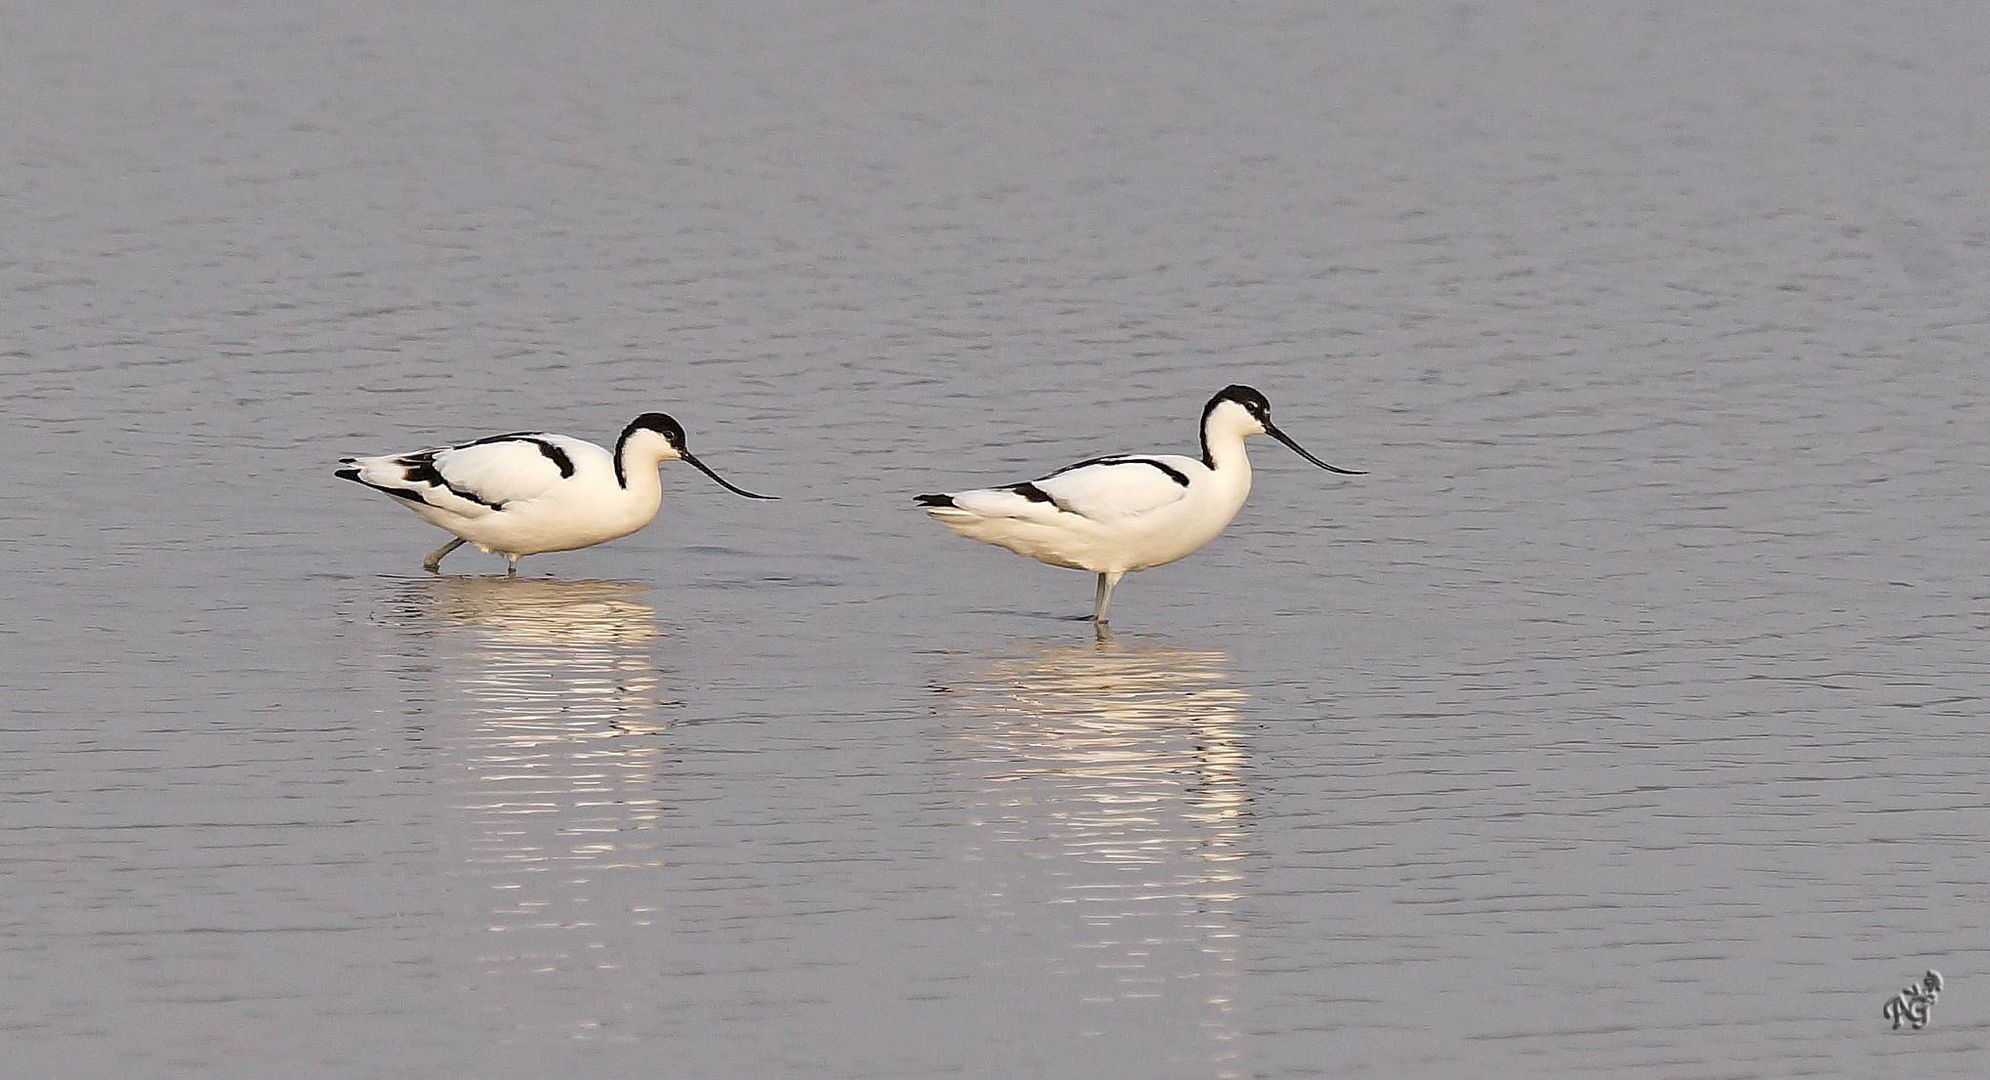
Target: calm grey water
[1627, 718]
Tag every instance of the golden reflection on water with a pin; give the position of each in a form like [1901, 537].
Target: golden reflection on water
[1110, 798]
[551, 696]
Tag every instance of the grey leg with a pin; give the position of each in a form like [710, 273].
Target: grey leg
[433, 564]
[1102, 599]
[511, 565]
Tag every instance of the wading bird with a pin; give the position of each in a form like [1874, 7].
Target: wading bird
[532, 492]
[1114, 515]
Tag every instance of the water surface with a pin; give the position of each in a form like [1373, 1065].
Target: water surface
[1625, 718]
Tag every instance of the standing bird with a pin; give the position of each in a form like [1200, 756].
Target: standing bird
[530, 492]
[1113, 515]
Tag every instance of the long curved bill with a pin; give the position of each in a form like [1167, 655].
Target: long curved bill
[701, 467]
[1296, 448]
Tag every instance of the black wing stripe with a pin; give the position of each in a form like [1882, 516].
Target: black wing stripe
[1173, 473]
[1088, 462]
[556, 455]
[552, 451]
[421, 470]
[409, 494]
[1033, 493]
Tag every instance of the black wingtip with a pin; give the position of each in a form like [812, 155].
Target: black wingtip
[934, 500]
[349, 474]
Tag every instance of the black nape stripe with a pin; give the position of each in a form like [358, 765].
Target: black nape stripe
[1250, 398]
[653, 421]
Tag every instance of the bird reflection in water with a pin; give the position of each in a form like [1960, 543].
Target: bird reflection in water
[550, 697]
[1111, 827]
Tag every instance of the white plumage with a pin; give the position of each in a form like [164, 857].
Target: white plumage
[532, 492]
[1114, 515]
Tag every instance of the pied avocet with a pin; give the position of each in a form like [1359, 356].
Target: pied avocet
[1113, 515]
[531, 492]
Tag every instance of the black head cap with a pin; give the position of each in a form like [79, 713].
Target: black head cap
[663, 425]
[1253, 402]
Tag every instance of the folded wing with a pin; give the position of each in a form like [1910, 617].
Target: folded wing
[473, 479]
[1101, 490]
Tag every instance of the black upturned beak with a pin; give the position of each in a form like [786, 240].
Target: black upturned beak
[1272, 430]
[700, 466]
